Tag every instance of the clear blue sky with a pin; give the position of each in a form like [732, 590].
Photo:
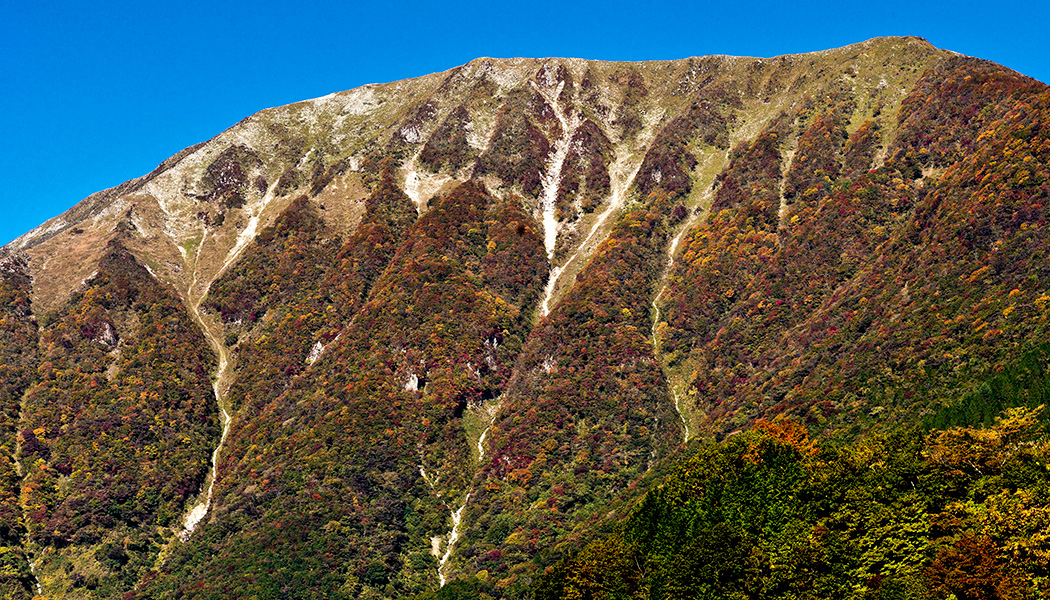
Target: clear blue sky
[95, 93]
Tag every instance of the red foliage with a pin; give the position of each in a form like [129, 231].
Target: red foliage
[973, 569]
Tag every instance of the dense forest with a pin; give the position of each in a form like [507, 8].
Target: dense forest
[772, 513]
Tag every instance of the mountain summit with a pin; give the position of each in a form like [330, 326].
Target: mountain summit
[447, 330]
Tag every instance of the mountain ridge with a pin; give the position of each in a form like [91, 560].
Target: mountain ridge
[25, 240]
[93, 208]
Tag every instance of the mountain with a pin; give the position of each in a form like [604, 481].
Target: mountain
[457, 328]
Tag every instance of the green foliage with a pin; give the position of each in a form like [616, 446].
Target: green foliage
[839, 287]
[311, 303]
[943, 119]
[860, 150]
[769, 514]
[465, 588]
[816, 161]
[750, 183]
[1024, 382]
[297, 244]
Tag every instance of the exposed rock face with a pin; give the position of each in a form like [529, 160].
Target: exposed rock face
[453, 320]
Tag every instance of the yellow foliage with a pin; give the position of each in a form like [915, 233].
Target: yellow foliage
[1022, 521]
[984, 449]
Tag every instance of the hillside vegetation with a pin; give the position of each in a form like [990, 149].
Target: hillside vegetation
[717, 327]
[774, 514]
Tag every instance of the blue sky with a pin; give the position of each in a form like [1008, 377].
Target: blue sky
[95, 93]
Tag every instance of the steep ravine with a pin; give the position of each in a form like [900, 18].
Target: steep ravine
[489, 414]
[450, 543]
[551, 178]
[667, 269]
[30, 559]
[197, 513]
[36, 580]
[699, 209]
[211, 327]
[551, 182]
[623, 176]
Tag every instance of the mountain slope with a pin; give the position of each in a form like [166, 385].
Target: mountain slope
[457, 324]
[880, 280]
